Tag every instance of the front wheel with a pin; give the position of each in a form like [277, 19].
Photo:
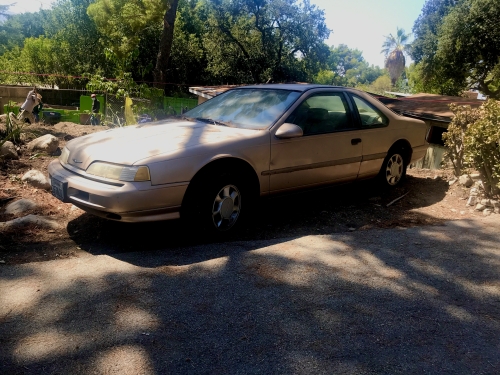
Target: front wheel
[226, 208]
[394, 169]
[217, 204]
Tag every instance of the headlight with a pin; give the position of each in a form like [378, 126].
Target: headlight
[63, 158]
[119, 172]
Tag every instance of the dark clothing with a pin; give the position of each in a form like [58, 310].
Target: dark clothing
[37, 110]
[96, 106]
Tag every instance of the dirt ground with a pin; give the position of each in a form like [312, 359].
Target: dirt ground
[429, 199]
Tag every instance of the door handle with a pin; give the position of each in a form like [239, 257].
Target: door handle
[355, 141]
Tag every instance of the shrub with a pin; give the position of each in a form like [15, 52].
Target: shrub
[473, 141]
[482, 146]
[454, 137]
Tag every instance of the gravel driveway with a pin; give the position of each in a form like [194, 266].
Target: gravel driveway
[384, 301]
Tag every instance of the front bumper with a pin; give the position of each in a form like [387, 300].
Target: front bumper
[118, 200]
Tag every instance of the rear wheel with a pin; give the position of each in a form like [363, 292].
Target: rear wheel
[394, 168]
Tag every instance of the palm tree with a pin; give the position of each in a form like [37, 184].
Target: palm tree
[395, 48]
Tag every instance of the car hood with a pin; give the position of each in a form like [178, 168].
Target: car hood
[129, 145]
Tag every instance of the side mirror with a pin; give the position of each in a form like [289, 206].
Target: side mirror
[288, 130]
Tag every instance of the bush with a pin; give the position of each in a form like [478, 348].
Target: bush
[473, 141]
[482, 146]
[454, 137]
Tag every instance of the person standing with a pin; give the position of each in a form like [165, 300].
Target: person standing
[96, 106]
[38, 108]
[27, 107]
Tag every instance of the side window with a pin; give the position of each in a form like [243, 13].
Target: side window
[370, 116]
[322, 113]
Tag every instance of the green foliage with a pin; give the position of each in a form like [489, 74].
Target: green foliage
[259, 41]
[347, 67]
[427, 75]
[463, 117]
[469, 45]
[215, 42]
[18, 27]
[13, 129]
[426, 29]
[379, 86]
[457, 46]
[473, 141]
[482, 146]
[122, 24]
[123, 87]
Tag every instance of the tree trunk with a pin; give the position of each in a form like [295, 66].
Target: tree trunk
[167, 38]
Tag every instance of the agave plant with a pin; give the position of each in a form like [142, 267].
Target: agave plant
[395, 48]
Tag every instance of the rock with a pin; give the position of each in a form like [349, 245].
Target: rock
[475, 176]
[472, 201]
[8, 151]
[452, 181]
[21, 222]
[474, 192]
[487, 203]
[480, 207]
[20, 206]
[495, 204]
[47, 143]
[36, 179]
[479, 184]
[465, 180]
[487, 212]
[496, 210]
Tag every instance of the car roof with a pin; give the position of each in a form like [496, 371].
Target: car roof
[289, 86]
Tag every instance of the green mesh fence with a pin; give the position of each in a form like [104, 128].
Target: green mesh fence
[177, 106]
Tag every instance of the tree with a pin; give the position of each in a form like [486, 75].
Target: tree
[428, 73]
[469, 45]
[394, 48]
[122, 25]
[166, 42]
[18, 27]
[347, 67]
[265, 41]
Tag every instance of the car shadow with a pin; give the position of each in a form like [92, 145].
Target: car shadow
[357, 206]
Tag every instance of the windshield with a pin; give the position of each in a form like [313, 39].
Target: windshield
[245, 108]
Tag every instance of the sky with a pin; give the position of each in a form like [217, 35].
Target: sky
[359, 24]
[362, 24]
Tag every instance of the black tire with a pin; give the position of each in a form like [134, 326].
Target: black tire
[218, 203]
[393, 170]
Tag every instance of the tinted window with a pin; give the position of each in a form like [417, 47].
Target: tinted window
[322, 113]
[369, 115]
[246, 108]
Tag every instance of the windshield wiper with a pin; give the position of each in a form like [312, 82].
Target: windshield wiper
[214, 122]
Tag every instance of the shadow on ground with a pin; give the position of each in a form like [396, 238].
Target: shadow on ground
[330, 210]
[398, 301]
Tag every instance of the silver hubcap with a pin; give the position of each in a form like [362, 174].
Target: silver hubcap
[394, 170]
[226, 208]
